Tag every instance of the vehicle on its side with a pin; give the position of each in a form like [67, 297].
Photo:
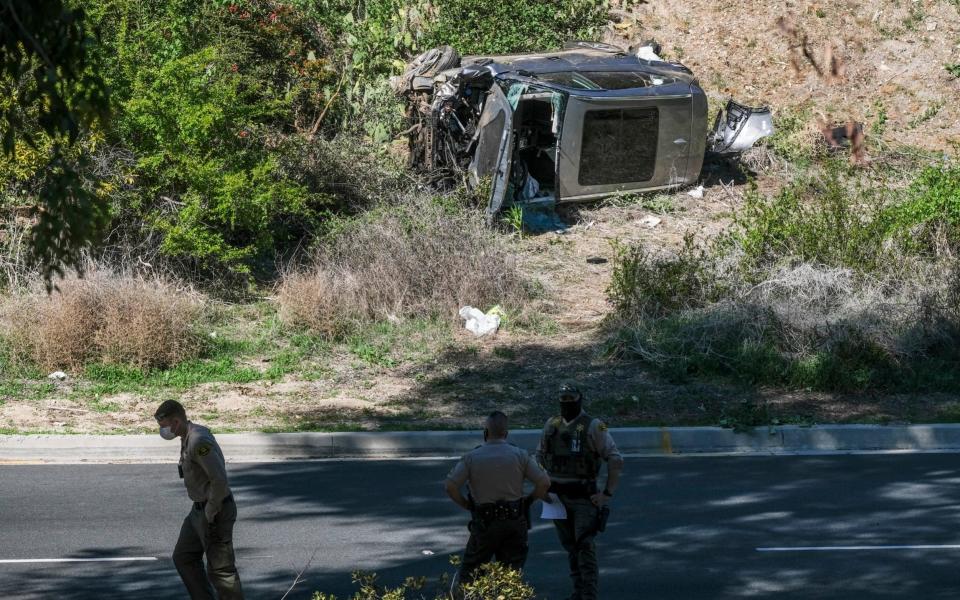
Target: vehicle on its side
[577, 124]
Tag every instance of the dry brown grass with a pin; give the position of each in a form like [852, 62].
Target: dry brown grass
[415, 259]
[104, 317]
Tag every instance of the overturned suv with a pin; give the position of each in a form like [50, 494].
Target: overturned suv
[581, 123]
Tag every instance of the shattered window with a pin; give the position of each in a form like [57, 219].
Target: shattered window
[513, 94]
[619, 145]
[598, 80]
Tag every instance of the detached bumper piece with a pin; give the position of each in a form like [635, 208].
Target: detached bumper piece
[740, 128]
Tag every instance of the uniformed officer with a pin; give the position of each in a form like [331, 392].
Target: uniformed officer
[495, 473]
[209, 526]
[572, 449]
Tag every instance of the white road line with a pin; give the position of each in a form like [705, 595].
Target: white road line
[76, 560]
[854, 548]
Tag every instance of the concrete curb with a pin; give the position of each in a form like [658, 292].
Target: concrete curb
[637, 441]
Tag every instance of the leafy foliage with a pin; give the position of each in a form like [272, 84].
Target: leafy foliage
[832, 284]
[493, 582]
[518, 26]
[210, 162]
[49, 94]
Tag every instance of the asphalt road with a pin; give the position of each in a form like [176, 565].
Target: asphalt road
[682, 528]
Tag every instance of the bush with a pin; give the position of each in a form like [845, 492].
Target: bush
[494, 582]
[928, 220]
[653, 284]
[830, 219]
[416, 259]
[517, 26]
[818, 287]
[104, 318]
[812, 327]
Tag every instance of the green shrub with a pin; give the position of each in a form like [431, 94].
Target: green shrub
[830, 220]
[516, 26]
[493, 582]
[644, 283]
[927, 221]
[833, 284]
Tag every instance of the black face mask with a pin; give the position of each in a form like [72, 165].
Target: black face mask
[570, 410]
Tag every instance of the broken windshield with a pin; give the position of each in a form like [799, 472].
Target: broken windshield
[601, 80]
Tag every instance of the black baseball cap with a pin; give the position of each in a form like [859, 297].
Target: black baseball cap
[569, 393]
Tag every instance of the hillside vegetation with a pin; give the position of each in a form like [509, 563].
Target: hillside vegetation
[270, 261]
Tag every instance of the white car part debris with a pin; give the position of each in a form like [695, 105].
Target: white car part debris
[740, 129]
[648, 53]
[650, 221]
[479, 323]
[57, 376]
[696, 192]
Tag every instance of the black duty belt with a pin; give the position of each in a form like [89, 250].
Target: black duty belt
[574, 489]
[501, 510]
[202, 505]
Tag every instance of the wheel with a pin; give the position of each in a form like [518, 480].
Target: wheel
[427, 64]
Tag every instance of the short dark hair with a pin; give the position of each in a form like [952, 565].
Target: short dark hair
[170, 408]
[497, 424]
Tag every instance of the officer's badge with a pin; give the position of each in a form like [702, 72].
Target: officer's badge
[580, 428]
[203, 450]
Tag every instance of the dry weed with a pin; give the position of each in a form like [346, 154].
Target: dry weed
[805, 309]
[415, 259]
[104, 317]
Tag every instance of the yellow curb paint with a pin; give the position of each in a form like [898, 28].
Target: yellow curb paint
[665, 443]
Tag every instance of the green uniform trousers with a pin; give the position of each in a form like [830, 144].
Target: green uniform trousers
[503, 539]
[197, 538]
[577, 533]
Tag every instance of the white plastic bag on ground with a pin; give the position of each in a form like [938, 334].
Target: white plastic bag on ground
[479, 323]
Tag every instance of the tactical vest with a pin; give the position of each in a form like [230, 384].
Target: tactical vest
[567, 453]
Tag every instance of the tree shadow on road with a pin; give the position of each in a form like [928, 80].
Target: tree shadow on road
[682, 528]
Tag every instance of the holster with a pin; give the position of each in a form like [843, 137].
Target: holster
[602, 515]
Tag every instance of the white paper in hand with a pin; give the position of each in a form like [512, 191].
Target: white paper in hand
[554, 510]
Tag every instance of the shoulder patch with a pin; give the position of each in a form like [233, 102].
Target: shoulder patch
[602, 426]
[203, 449]
[556, 421]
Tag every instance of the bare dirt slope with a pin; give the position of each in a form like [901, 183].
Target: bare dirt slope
[891, 55]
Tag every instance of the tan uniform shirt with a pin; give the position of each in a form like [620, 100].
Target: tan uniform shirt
[496, 471]
[204, 470]
[599, 441]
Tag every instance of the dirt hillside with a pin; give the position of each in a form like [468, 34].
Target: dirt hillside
[890, 58]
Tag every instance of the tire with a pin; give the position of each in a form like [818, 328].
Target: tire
[445, 58]
[432, 62]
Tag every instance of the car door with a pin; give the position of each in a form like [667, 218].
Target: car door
[494, 153]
